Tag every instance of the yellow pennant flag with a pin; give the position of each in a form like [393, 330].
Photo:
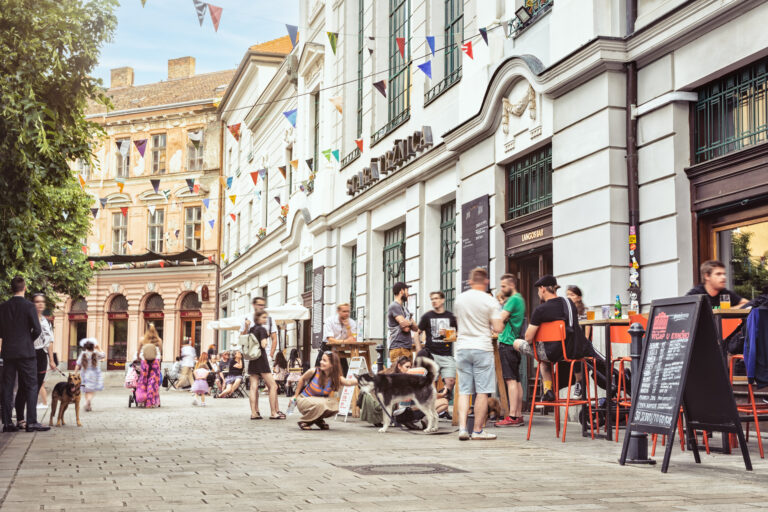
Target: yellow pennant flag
[337, 102]
[120, 186]
[222, 255]
[295, 164]
[101, 247]
[233, 198]
[53, 259]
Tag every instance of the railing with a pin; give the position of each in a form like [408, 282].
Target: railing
[528, 14]
[351, 157]
[401, 118]
[444, 84]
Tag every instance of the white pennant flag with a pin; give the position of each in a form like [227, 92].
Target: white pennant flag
[151, 209]
[124, 146]
[194, 260]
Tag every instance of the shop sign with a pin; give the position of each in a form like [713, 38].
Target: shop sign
[153, 314]
[78, 316]
[402, 151]
[204, 293]
[117, 316]
[191, 314]
[532, 235]
[475, 240]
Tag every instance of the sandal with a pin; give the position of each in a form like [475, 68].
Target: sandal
[257, 417]
[303, 425]
[322, 424]
[280, 416]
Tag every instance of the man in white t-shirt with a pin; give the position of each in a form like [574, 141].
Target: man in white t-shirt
[477, 313]
[188, 355]
[259, 303]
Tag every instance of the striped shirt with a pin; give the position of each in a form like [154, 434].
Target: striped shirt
[314, 389]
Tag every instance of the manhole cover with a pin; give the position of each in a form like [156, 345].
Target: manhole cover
[402, 469]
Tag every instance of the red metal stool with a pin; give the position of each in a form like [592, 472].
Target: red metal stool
[751, 408]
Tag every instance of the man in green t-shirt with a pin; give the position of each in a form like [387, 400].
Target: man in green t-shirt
[513, 314]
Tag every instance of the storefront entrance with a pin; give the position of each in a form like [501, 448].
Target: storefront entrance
[528, 270]
[78, 329]
[117, 347]
[153, 313]
[191, 321]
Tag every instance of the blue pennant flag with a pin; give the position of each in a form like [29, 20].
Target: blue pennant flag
[431, 43]
[291, 116]
[207, 203]
[229, 182]
[211, 222]
[484, 33]
[427, 68]
[293, 32]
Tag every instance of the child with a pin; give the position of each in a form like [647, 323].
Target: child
[200, 386]
[295, 370]
[88, 366]
[280, 369]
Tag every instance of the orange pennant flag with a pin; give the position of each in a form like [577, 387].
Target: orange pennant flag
[295, 164]
[467, 48]
[120, 186]
[82, 180]
[255, 177]
[282, 170]
[222, 181]
[337, 102]
[162, 264]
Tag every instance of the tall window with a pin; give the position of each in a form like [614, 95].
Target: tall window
[249, 233]
[123, 163]
[530, 183]
[155, 226]
[158, 154]
[192, 228]
[316, 100]
[289, 168]
[360, 58]
[353, 283]
[308, 276]
[394, 263]
[399, 68]
[195, 150]
[448, 252]
[732, 112]
[454, 33]
[237, 234]
[119, 232]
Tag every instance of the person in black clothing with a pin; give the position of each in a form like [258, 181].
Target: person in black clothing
[433, 326]
[259, 369]
[19, 328]
[714, 279]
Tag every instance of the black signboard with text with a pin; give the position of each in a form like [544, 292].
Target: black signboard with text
[682, 365]
[475, 249]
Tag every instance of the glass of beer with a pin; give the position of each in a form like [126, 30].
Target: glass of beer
[450, 334]
[725, 301]
[590, 314]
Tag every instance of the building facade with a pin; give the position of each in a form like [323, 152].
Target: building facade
[616, 145]
[155, 182]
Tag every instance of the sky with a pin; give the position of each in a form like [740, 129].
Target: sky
[166, 29]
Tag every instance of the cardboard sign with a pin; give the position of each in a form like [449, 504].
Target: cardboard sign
[357, 365]
[682, 365]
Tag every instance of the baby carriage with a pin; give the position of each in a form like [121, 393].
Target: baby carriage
[132, 381]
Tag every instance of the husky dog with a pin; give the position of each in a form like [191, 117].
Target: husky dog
[393, 388]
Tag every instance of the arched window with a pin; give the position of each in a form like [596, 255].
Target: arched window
[79, 306]
[154, 303]
[190, 302]
[119, 304]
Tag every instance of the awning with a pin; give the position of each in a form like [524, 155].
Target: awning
[280, 314]
[188, 255]
[226, 324]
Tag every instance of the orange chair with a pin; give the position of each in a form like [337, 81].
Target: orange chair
[554, 332]
[620, 334]
[752, 407]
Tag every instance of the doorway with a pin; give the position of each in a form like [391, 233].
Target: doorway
[78, 329]
[118, 341]
[529, 269]
[190, 330]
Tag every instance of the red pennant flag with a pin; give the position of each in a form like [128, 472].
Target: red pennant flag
[401, 46]
[215, 13]
[124, 209]
[234, 129]
[91, 262]
[162, 264]
[234, 217]
[467, 48]
[359, 143]
[85, 250]
[210, 258]
[255, 177]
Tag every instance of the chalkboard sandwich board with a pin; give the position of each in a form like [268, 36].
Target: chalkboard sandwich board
[682, 366]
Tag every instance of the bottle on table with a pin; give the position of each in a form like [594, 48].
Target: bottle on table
[617, 308]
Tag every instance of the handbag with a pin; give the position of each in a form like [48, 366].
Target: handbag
[251, 346]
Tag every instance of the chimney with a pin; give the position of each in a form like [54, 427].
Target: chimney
[183, 67]
[121, 77]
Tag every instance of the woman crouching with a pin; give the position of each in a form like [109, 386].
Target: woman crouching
[314, 389]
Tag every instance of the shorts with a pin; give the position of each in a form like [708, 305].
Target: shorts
[447, 365]
[510, 362]
[231, 379]
[397, 353]
[41, 355]
[476, 370]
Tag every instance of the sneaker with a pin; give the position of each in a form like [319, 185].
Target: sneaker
[463, 435]
[202, 404]
[549, 396]
[195, 402]
[42, 406]
[518, 422]
[483, 436]
[509, 421]
[37, 427]
[445, 415]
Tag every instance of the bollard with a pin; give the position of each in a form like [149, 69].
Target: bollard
[380, 362]
[637, 452]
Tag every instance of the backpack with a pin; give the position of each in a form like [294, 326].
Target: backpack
[150, 352]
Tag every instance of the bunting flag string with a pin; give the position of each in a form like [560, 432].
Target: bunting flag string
[211, 223]
[103, 201]
[277, 198]
[155, 185]
[282, 170]
[359, 143]
[82, 181]
[371, 45]
[65, 215]
[215, 13]
[101, 248]
[123, 146]
[234, 129]
[262, 173]
[290, 115]
[200, 7]
[426, 67]
[234, 217]
[151, 209]
[229, 183]
[143, 3]
[94, 212]
[333, 37]
[293, 33]
[222, 181]
[255, 177]
[167, 194]
[338, 103]
[401, 46]
[124, 210]
[381, 86]
[84, 248]
[467, 48]
[141, 146]
[335, 154]
[54, 259]
[484, 33]
[431, 43]
[327, 154]
[176, 233]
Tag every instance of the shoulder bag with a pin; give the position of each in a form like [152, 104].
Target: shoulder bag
[250, 345]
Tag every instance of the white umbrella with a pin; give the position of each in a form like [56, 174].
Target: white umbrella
[288, 312]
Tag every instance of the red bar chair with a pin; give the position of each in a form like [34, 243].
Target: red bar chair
[750, 408]
[554, 332]
[620, 334]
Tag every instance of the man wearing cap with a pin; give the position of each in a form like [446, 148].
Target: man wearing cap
[401, 326]
[552, 308]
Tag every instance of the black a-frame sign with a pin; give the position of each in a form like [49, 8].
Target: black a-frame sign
[682, 365]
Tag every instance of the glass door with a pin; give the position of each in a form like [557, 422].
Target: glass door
[118, 344]
[77, 331]
[190, 330]
[743, 249]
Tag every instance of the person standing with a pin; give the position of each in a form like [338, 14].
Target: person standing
[259, 305]
[43, 356]
[188, 355]
[259, 368]
[88, 366]
[19, 327]
[434, 326]
[512, 314]
[151, 377]
[476, 314]
[339, 328]
[402, 328]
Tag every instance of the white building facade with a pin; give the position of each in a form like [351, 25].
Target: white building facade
[613, 144]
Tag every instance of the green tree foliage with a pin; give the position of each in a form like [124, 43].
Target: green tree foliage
[48, 48]
[750, 274]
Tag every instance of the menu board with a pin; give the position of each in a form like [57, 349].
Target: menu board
[318, 297]
[475, 247]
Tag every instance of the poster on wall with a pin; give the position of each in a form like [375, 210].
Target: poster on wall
[318, 294]
[475, 245]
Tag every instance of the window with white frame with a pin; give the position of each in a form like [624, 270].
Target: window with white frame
[155, 228]
[119, 232]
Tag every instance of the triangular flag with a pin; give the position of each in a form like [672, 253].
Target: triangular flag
[82, 180]
[426, 67]
[234, 217]
[191, 184]
[176, 233]
[162, 264]
[258, 195]
[333, 37]
[207, 203]
[91, 262]
[200, 7]
[301, 187]
[53, 259]
[233, 198]
[234, 129]
[311, 164]
[291, 116]
[229, 182]
[401, 46]
[123, 146]
[194, 261]
[210, 258]
[110, 264]
[130, 243]
[101, 247]
[337, 102]
[484, 33]
[335, 154]
[327, 154]
[381, 86]
[141, 145]
[277, 198]
[505, 27]
[431, 43]
[196, 188]
[282, 170]
[262, 173]
[223, 181]
[222, 256]
[124, 210]
[467, 48]
[294, 164]
[155, 185]
[167, 193]
[85, 249]
[371, 45]
[211, 223]
[151, 209]
[120, 184]
[195, 137]
[359, 143]
[95, 212]
[293, 32]
[215, 13]
[103, 201]
[143, 3]
[65, 215]
[255, 177]
[64, 250]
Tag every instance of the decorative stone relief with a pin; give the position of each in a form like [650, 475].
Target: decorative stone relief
[151, 287]
[535, 131]
[516, 109]
[187, 285]
[509, 145]
[115, 288]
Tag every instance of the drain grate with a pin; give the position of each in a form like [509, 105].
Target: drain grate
[402, 469]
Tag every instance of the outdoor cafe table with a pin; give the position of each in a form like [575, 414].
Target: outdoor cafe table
[350, 350]
[607, 323]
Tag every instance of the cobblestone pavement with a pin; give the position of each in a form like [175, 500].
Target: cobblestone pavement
[184, 458]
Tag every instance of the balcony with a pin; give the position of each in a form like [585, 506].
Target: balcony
[444, 84]
[388, 128]
[528, 15]
[351, 157]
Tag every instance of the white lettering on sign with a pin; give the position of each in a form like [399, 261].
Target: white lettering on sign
[532, 235]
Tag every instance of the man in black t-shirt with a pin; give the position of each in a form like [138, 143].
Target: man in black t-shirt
[714, 279]
[433, 326]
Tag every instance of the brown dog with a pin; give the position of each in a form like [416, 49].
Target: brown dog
[494, 409]
[67, 393]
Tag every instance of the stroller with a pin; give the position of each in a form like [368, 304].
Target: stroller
[132, 381]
